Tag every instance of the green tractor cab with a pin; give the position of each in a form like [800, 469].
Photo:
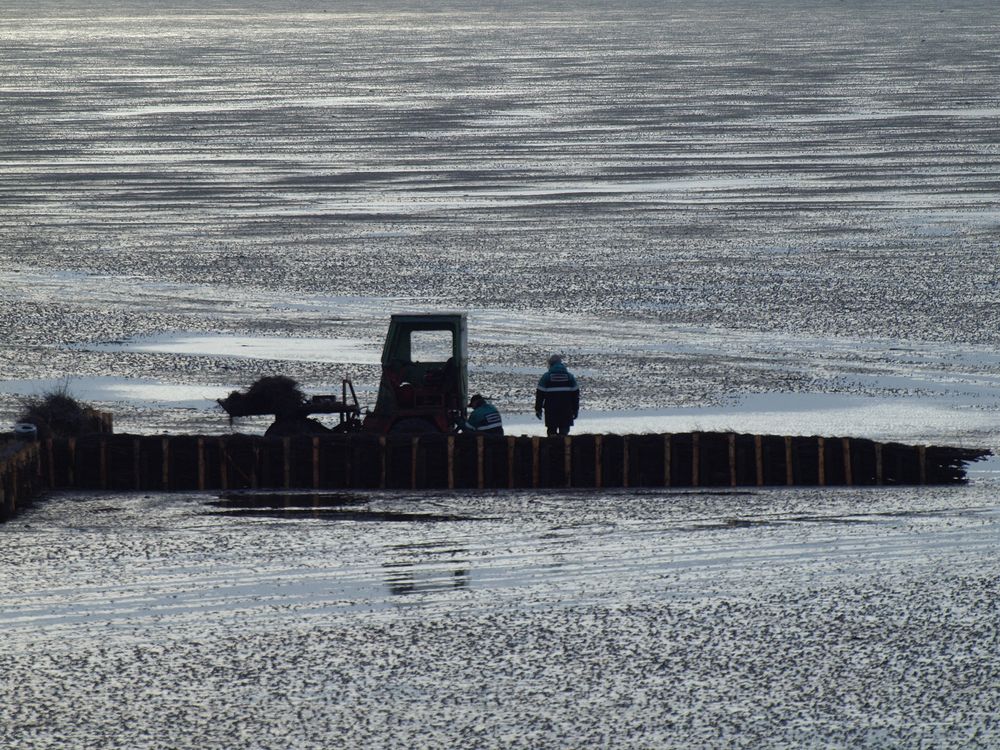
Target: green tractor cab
[425, 377]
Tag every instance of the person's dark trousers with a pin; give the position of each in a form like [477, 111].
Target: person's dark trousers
[561, 430]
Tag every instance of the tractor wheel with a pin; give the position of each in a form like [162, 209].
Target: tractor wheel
[413, 426]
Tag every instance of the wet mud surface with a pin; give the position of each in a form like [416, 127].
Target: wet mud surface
[777, 217]
[685, 619]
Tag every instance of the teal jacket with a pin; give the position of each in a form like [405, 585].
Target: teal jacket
[484, 418]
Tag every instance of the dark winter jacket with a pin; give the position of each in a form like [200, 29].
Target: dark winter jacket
[559, 396]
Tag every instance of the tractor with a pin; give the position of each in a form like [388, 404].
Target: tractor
[425, 375]
[423, 389]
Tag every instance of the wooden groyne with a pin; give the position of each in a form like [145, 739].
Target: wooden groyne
[413, 462]
[20, 476]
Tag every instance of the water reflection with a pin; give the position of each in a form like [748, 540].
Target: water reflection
[425, 567]
[276, 500]
[404, 578]
[338, 506]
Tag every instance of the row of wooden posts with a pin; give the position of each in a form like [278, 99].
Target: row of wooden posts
[364, 461]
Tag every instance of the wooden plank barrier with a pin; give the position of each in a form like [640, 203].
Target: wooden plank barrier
[108, 462]
[22, 476]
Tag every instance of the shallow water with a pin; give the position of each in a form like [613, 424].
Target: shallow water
[773, 217]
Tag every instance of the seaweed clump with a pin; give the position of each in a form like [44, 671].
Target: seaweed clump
[57, 414]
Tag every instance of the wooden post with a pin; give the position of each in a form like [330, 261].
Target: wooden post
[732, 459]
[848, 471]
[568, 460]
[821, 460]
[71, 471]
[511, 441]
[666, 460]
[286, 461]
[315, 462]
[758, 459]
[52, 464]
[695, 458]
[451, 462]
[224, 463]
[102, 444]
[878, 463]
[625, 462]
[201, 464]
[598, 439]
[8, 504]
[165, 478]
[253, 469]
[137, 463]
[381, 462]
[480, 462]
[414, 455]
[922, 459]
[535, 452]
[789, 468]
[348, 448]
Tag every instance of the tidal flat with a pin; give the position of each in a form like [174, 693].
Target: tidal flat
[776, 216]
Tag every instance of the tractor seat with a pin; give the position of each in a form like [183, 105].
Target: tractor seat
[405, 395]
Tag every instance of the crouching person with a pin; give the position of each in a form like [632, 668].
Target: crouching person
[484, 419]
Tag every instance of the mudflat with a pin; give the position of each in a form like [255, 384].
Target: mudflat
[770, 217]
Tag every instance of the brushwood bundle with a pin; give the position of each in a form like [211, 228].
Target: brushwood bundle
[57, 414]
[274, 394]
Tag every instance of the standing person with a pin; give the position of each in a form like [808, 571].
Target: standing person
[559, 396]
[484, 419]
